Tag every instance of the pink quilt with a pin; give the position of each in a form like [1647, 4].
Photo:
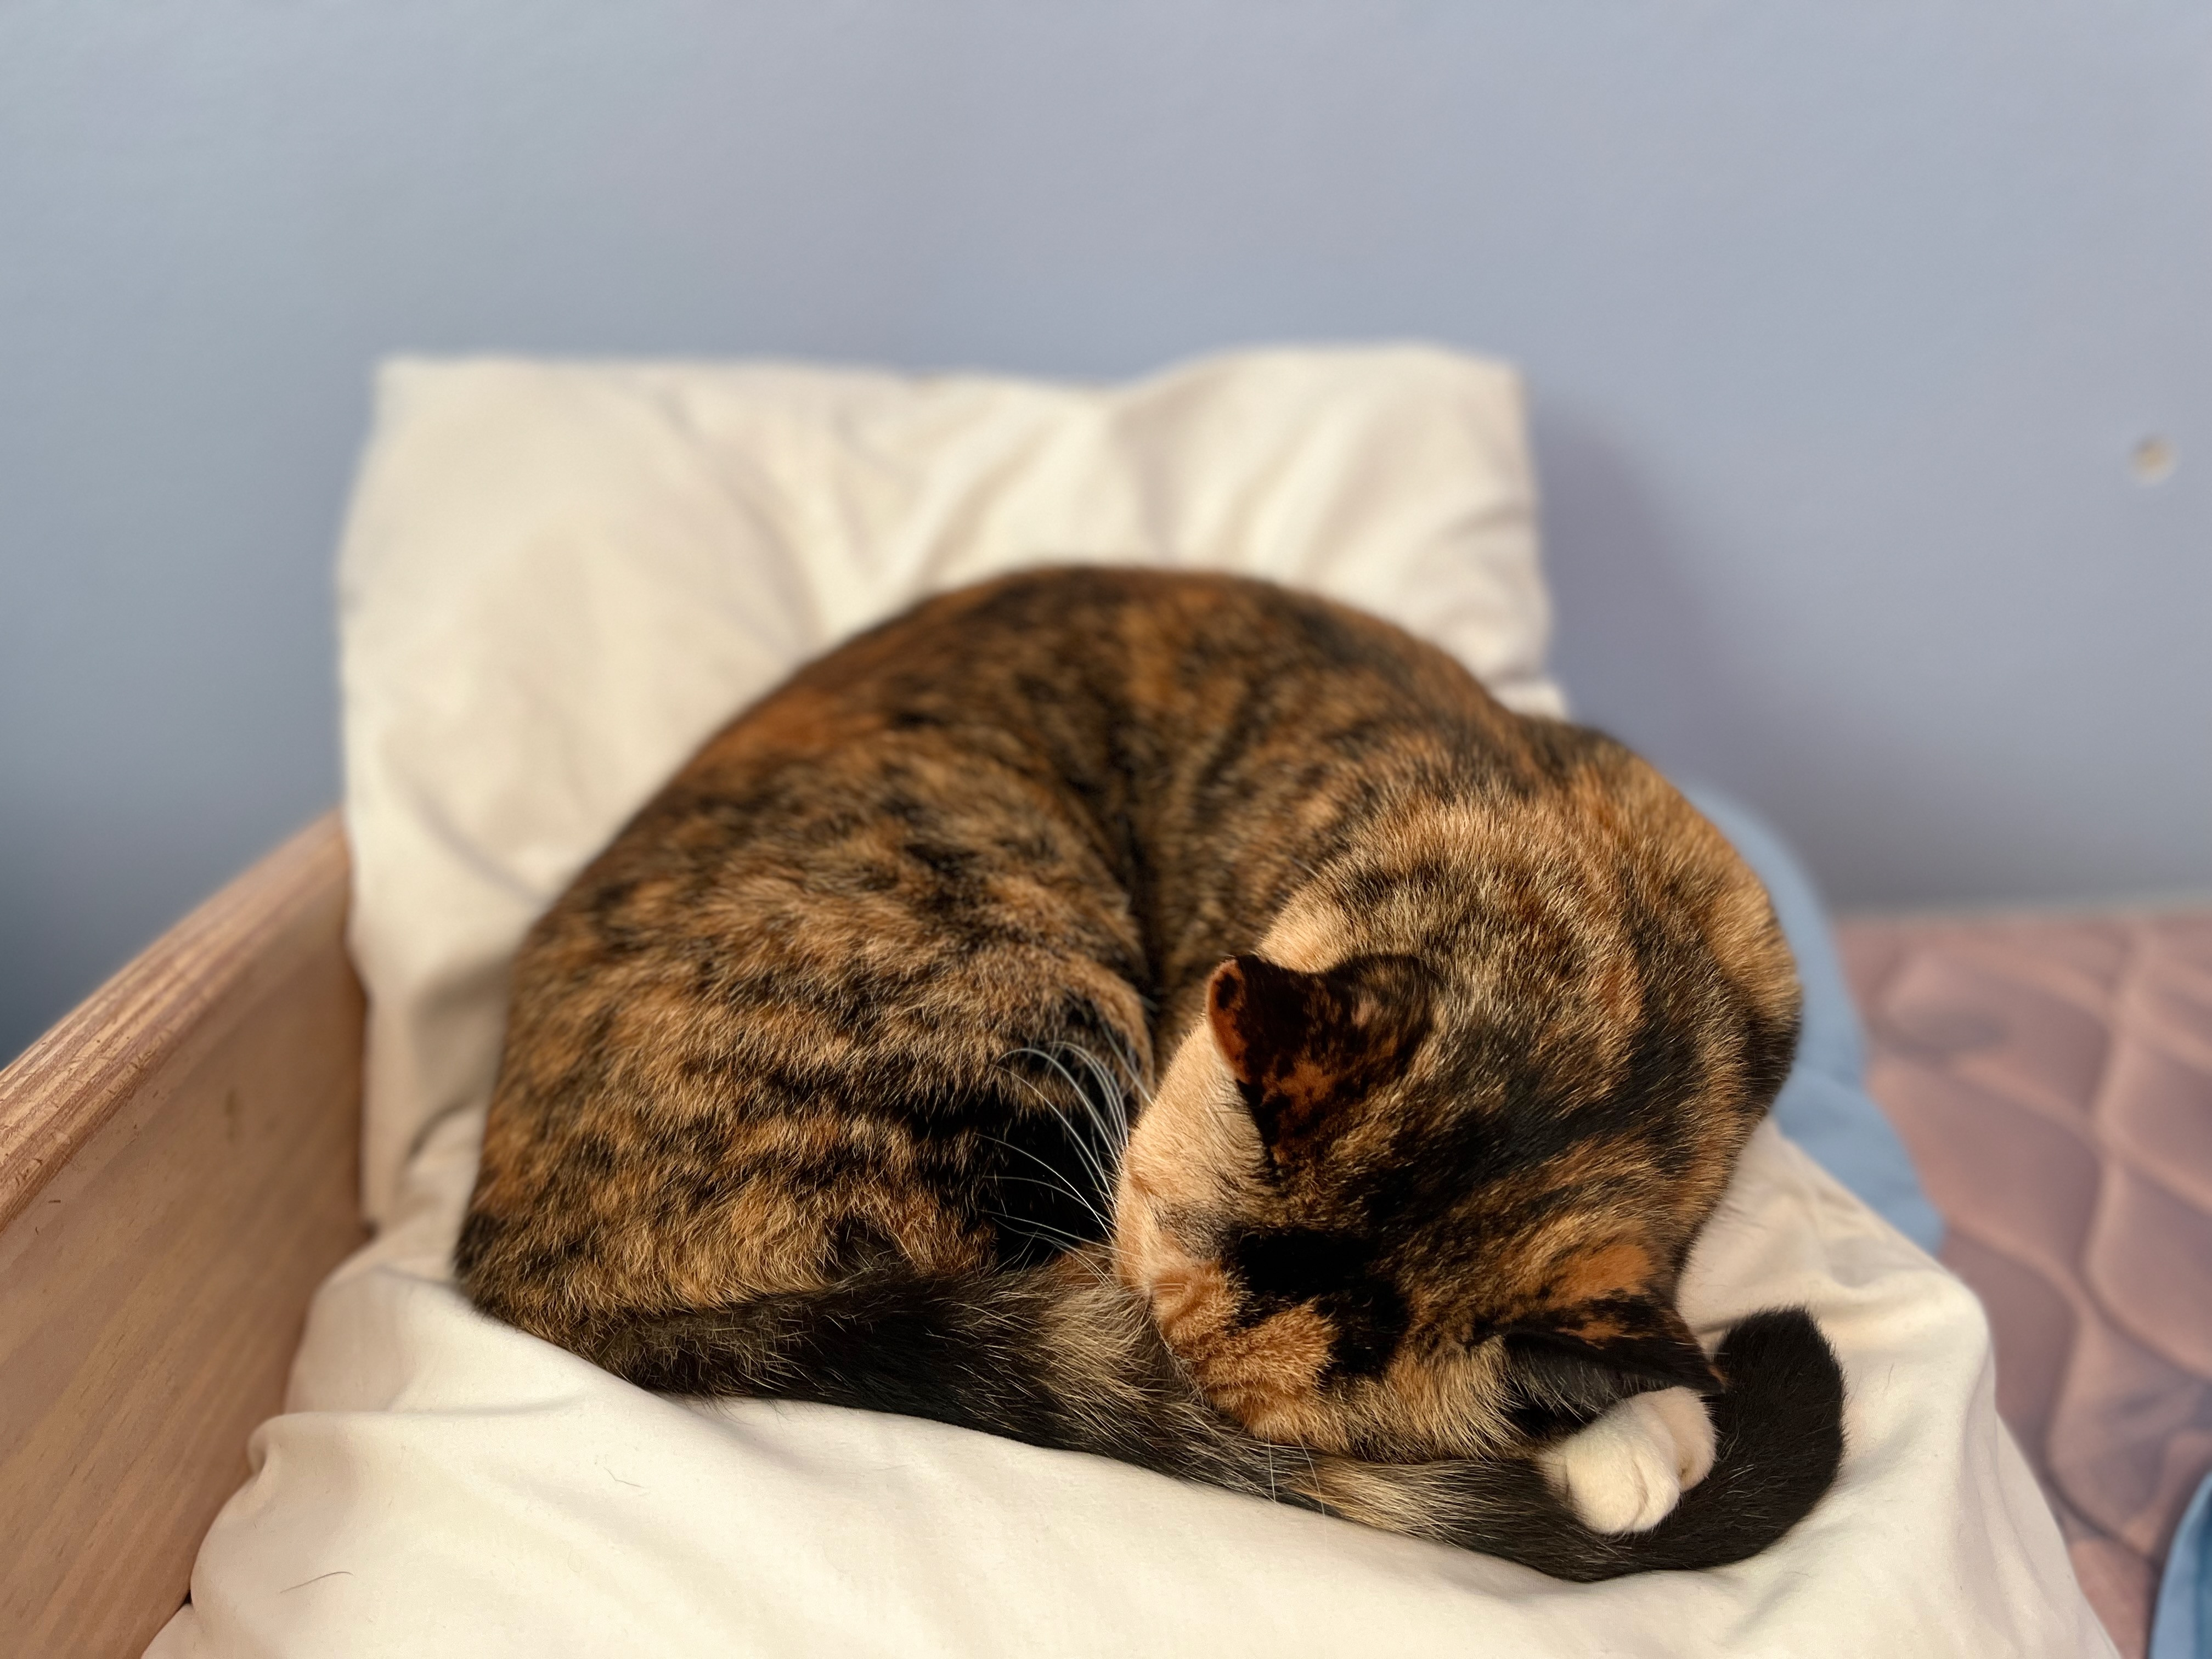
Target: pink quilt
[2052, 1076]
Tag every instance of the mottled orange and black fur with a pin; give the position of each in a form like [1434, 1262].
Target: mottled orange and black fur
[1168, 1017]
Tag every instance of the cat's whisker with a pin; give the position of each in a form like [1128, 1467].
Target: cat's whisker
[1109, 1106]
[1060, 1183]
[1092, 1164]
[1101, 1152]
[1108, 1090]
[1052, 1185]
[1088, 1209]
[1072, 1246]
[1087, 1099]
[1129, 1076]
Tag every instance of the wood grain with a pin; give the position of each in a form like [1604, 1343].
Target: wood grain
[177, 1170]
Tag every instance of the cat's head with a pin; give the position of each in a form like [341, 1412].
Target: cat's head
[1421, 1178]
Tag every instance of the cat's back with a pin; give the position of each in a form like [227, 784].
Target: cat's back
[1121, 766]
[1093, 647]
[1212, 736]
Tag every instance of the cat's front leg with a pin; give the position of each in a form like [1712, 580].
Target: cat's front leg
[1626, 1470]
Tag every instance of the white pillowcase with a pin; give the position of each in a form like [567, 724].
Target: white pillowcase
[558, 581]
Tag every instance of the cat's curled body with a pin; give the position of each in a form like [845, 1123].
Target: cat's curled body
[1168, 1017]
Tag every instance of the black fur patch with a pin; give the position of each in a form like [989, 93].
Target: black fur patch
[1335, 1272]
[1307, 1048]
[1633, 1338]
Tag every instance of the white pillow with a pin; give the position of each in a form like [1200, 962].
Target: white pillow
[560, 579]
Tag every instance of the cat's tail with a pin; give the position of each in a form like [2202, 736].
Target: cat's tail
[1059, 1360]
[1059, 1355]
[1778, 1440]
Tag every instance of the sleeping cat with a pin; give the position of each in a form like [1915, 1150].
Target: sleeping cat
[1172, 1017]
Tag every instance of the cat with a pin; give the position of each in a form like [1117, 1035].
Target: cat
[1175, 1018]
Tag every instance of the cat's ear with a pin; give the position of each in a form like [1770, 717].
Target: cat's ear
[1306, 1049]
[1644, 1337]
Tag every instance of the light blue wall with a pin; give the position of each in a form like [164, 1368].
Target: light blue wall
[1843, 319]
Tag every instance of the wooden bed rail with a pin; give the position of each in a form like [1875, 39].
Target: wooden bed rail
[177, 1169]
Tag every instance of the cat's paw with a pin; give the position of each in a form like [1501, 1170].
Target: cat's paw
[1625, 1471]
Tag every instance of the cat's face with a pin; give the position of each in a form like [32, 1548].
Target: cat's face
[1433, 1202]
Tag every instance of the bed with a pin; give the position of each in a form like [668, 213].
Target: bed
[179, 1165]
[2052, 1076]
[178, 1160]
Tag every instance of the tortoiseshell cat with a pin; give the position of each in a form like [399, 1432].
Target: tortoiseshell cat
[1172, 1017]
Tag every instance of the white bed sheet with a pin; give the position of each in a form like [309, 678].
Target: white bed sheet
[556, 580]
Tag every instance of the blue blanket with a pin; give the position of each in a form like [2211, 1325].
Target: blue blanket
[2182, 1626]
[1825, 1106]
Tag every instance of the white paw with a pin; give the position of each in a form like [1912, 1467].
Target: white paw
[1625, 1471]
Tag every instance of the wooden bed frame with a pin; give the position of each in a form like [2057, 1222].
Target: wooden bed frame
[178, 1169]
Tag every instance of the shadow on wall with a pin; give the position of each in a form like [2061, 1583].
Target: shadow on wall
[1638, 652]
